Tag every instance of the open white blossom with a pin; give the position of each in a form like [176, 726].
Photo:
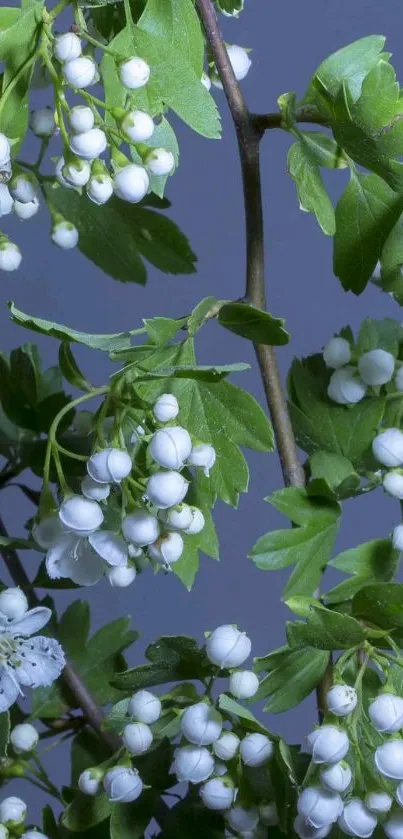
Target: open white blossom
[85, 559]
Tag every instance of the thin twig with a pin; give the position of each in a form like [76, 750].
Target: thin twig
[307, 114]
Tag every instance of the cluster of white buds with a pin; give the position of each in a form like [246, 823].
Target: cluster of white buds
[13, 813]
[18, 195]
[387, 448]
[350, 381]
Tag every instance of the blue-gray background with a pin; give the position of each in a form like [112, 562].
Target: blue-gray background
[288, 40]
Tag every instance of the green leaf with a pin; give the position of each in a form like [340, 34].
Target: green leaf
[385, 334]
[234, 709]
[323, 149]
[198, 315]
[129, 821]
[107, 343]
[87, 749]
[332, 475]
[391, 280]
[70, 368]
[253, 324]
[18, 44]
[350, 64]
[365, 215]
[86, 811]
[172, 659]
[374, 561]
[312, 194]
[8, 16]
[302, 509]
[4, 733]
[161, 330]
[292, 675]
[325, 630]
[230, 8]
[177, 23]
[380, 604]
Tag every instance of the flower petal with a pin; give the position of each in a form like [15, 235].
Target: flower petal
[61, 555]
[9, 689]
[31, 622]
[73, 557]
[41, 662]
[109, 546]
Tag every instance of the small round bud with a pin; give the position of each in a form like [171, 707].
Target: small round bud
[23, 189]
[241, 819]
[145, 707]
[180, 517]
[345, 387]
[376, 367]
[243, 684]
[206, 81]
[170, 446]
[141, 528]
[67, 46]
[397, 537]
[305, 831]
[386, 713]
[319, 807]
[5, 150]
[10, 256]
[110, 547]
[33, 834]
[47, 531]
[328, 744]
[393, 484]
[203, 455]
[336, 777]
[122, 785]
[79, 72]
[80, 515]
[24, 737]
[137, 737]
[65, 235]
[59, 174]
[167, 549]
[379, 802]
[109, 466]
[357, 820]
[220, 769]
[228, 647]
[192, 764]
[341, 700]
[138, 126]
[134, 73]
[399, 379]
[100, 189]
[227, 745]
[13, 603]
[6, 200]
[268, 814]
[393, 828]
[201, 724]
[240, 61]
[12, 811]
[94, 490]
[216, 794]
[81, 119]
[387, 447]
[389, 759]
[337, 353]
[42, 122]
[166, 408]
[160, 162]
[77, 172]
[121, 577]
[26, 211]
[197, 524]
[90, 144]
[89, 782]
[256, 749]
[166, 489]
[131, 183]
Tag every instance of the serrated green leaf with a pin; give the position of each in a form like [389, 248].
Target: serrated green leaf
[380, 604]
[350, 64]
[301, 508]
[385, 334]
[230, 8]
[161, 330]
[324, 150]
[292, 675]
[86, 811]
[129, 821]
[235, 709]
[18, 44]
[253, 324]
[172, 659]
[107, 343]
[325, 630]
[332, 475]
[177, 22]
[312, 194]
[391, 279]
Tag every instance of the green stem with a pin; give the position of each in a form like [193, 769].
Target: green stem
[42, 152]
[95, 43]
[58, 9]
[44, 777]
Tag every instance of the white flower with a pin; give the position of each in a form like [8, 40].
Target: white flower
[67, 46]
[305, 831]
[192, 764]
[80, 515]
[121, 577]
[337, 353]
[379, 802]
[399, 379]
[179, 517]
[90, 144]
[94, 490]
[203, 455]
[256, 749]
[141, 528]
[27, 210]
[145, 706]
[59, 174]
[89, 782]
[23, 189]
[328, 744]
[81, 119]
[376, 367]
[122, 785]
[100, 189]
[85, 560]
[138, 126]
[170, 446]
[166, 489]
[227, 746]
[197, 524]
[24, 738]
[33, 834]
[393, 484]
[10, 256]
[134, 73]
[216, 794]
[166, 408]
[319, 807]
[201, 724]
[167, 549]
[131, 183]
[241, 819]
[6, 200]
[5, 150]
[386, 713]
[357, 820]
[13, 811]
[240, 61]
[228, 647]
[33, 663]
[47, 531]
[13, 603]
[345, 386]
[206, 81]
[268, 814]
[64, 235]
[394, 826]
[109, 466]
[79, 72]
[137, 737]
[243, 684]
[110, 547]
[160, 162]
[42, 122]
[77, 172]
[336, 777]
[387, 447]
[389, 759]
[341, 700]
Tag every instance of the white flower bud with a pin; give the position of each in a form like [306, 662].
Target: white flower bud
[240, 61]
[5, 150]
[160, 162]
[42, 122]
[33, 834]
[328, 744]
[399, 379]
[389, 759]
[89, 782]
[197, 524]
[67, 46]
[59, 174]
[319, 807]
[134, 73]
[393, 484]
[26, 211]
[180, 517]
[167, 549]
[305, 831]
[268, 814]
[141, 528]
[220, 769]
[109, 466]
[47, 531]
[100, 189]
[121, 577]
[206, 81]
[10, 256]
[77, 172]
[12, 811]
[387, 447]
[337, 353]
[171, 446]
[256, 749]
[399, 794]
[13, 603]
[216, 794]
[166, 408]
[241, 819]
[6, 200]
[357, 820]
[341, 700]
[110, 547]
[243, 684]
[94, 490]
[336, 777]
[89, 145]
[65, 235]
[80, 515]
[386, 713]
[203, 455]
[145, 707]
[166, 489]
[79, 72]
[345, 387]
[393, 828]
[81, 119]
[227, 746]
[122, 785]
[137, 737]
[376, 367]
[201, 724]
[192, 764]
[131, 183]
[379, 802]
[24, 737]
[138, 126]
[23, 189]
[228, 647]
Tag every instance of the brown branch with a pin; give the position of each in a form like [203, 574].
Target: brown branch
[307, 114]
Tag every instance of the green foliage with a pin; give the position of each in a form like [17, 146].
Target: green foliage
[18, 44]
[29, 397]
[373, 562]
[63, 333]
[332, 475]
[380, 604]
[129, 821]
[312, 195]
[292, 674]
[252, 323]
[325, 630]
[172, 659]
[349, 65]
